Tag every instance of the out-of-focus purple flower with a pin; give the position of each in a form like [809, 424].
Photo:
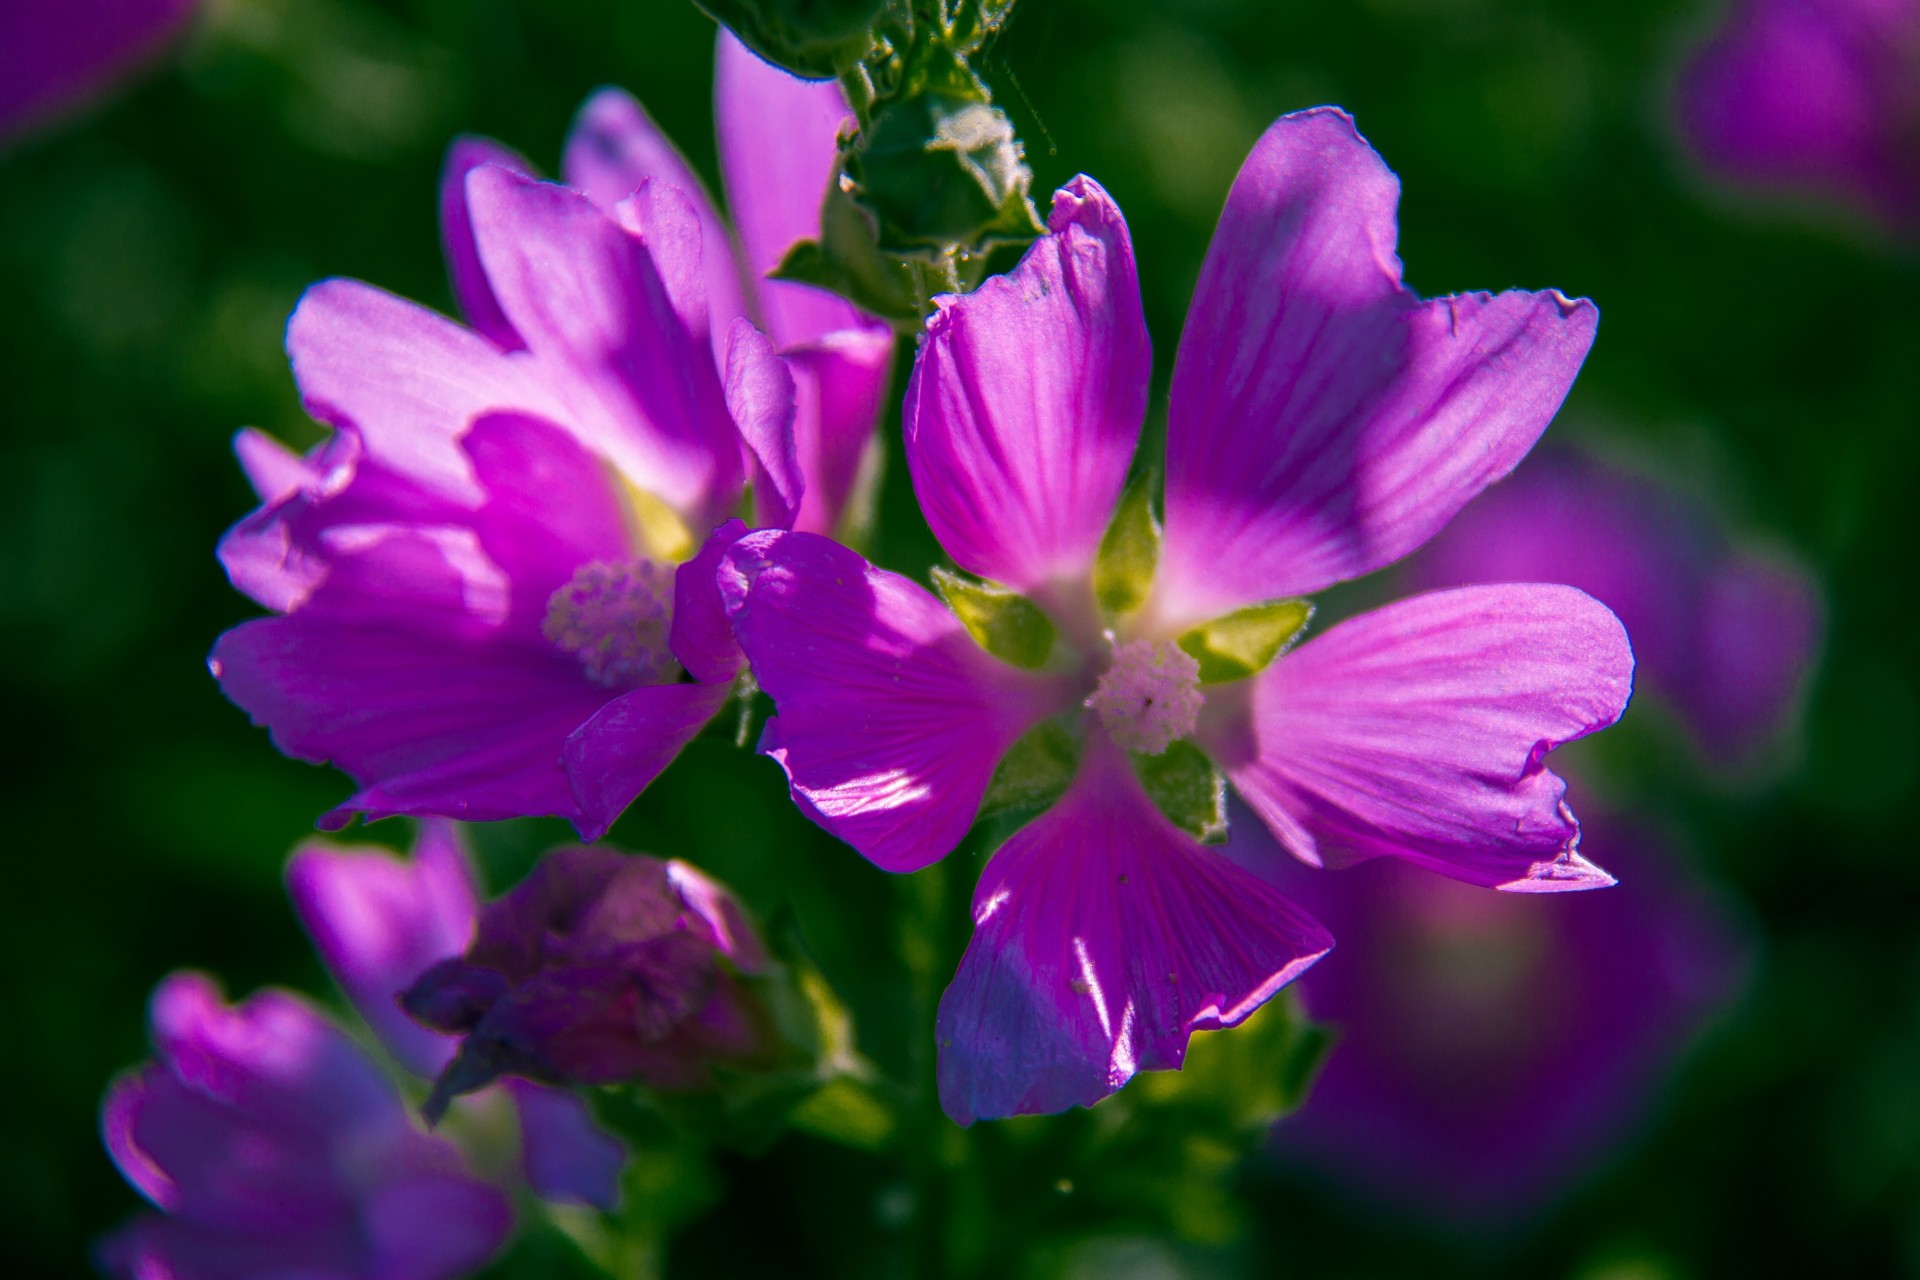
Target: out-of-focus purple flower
[599, 967]
[1324, 422]
[1491, 1050]
[380, 921]
[1820, 95]
[494, 591]
[1724, 636]
[54, 58]
[273, 1146]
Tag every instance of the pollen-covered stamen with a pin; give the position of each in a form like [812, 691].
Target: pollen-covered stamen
[615, 619]
[1150, 697]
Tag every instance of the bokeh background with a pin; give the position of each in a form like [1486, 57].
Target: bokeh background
[1764, 356]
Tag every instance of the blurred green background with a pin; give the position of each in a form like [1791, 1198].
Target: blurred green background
[1767, 358]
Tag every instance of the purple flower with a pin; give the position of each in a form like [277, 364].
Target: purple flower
[379, 922]
[56, 57]
[494, 591]
[1725, 636]
[599, 967]
[273, 1146]
[1814, 94]
[1324, 422]
[1490, 1050]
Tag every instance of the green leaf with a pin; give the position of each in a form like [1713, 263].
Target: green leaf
[847, 261]
[1005, 623]
[1188, 788]
[1129, 551]
[942, 171]
[814, 39]
[1035, 772]
[1250, 1075]
[1243, 642]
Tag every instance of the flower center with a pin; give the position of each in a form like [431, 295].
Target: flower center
[1150, 697]
[615, 617]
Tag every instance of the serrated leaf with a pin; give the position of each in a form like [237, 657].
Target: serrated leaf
[814, 39]
[847, 261]
[1129, 551]
[940, 171]
[1243, 642]
[1004, 623]
[1188, 788]
[1035, 772]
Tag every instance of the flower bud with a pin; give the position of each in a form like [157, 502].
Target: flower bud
[599, 967]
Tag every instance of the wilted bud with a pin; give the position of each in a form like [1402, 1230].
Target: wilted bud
[939, 170]
[600, 967]
[811, 38]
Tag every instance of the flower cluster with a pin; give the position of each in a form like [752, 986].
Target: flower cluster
[541, 549]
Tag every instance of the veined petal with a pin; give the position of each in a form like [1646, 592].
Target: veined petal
[613, 756]
[613, 148]
[407, 380]
[1421, 730]
[379, 921]
[585, 294]
[273, 470]
[702, 634]
[1324, 421]
[779, 139]
[760, 395]
[891, 720]
[1103, 937]
[398, 670]
[1027, 399]
[469, 279]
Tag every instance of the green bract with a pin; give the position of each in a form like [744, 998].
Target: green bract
[1188, 788]
[1242, 643]
[1004, 623]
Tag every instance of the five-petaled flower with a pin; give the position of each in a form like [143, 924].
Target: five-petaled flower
[494, 595]
[1324, 421]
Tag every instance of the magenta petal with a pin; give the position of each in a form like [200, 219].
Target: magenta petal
[1027, 398]
[1324, 421]
[380, 921]
[613, 148]
[1757, 633]
[613, 756]
[760, 395]
[1103, 937]
[891, 719]
[586, 295]
[841, 384]
[702, 635]
[779, 138]
[397, 670]
[469, 279]
[406, 380]
[565, 1156]
[1421, 730]
[274, 471]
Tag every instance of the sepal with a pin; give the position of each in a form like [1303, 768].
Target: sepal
[1004, 623]
[1246, 641]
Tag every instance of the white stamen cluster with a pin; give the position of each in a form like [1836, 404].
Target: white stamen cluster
[614, 617]
[1150, 697]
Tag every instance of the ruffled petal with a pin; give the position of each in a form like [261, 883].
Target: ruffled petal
[380, 921]
[891, 719]
[1324, 421]
[565, 1156]
[1027, 399]
[1421, 730]
[399, 670]
[613, 148]
[1103, 937]
[613, 756]
[272, 470]
[586, 295]
[469, 279]
[779, 139]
